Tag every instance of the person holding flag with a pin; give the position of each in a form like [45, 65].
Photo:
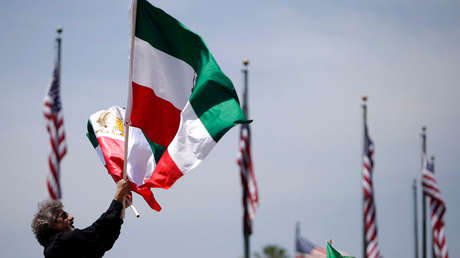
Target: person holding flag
[180, 104]
[54, 230]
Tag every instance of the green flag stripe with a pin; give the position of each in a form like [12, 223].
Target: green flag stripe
[157, 149]
[91, 136]
[167, 34]
[217, 109]
[214, 98]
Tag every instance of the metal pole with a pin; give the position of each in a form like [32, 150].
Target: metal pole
[423, 196]
[297, 233]
[246, 231]
[128, 112]
[59, 42]
[59, 45]
[364, 98]
[414, 187]
[432, 242]
[245, 92]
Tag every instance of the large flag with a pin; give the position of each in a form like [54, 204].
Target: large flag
[307, 249]
[438, 209]
[248, 178]
[55, 126]
[179, 99]
[370, 217]
[332, 253]
[107, 135]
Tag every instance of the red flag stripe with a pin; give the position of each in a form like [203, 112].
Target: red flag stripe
[52, 112]
[51, 191]
[248, 180]
[146, 106]
[438, 208]
[166, 173]
[370, 215]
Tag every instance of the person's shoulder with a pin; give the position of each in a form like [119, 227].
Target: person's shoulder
[62, 243]
[53, 247]
[64, 237]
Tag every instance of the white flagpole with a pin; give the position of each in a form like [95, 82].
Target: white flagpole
[128, 110]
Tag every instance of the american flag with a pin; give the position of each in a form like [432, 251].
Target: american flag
[370, 218]
[306, 249]
[55, 127]
[248, 179]
[438, 209]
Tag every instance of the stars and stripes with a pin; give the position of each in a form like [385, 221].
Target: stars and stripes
[248, 179]
[370, 220]
[55, 127]
[437, 207]
[306, 249]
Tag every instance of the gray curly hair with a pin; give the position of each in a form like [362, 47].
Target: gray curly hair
[44, 219]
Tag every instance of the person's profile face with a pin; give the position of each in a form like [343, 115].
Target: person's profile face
[63, 222]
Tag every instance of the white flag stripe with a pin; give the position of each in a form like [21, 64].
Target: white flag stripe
[169, 77]
[437, 206]
[192, 142]
[52, 111]
[370, 227]
[100, 154]
[141, 160]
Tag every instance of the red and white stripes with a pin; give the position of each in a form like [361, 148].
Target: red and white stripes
[248, 179]
[370, 221]
[438, 209]
[55, 127]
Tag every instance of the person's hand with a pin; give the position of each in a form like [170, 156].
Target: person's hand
[123, 190]
[128, 200]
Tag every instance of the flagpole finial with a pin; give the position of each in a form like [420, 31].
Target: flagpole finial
[245, 62]
[59, 30]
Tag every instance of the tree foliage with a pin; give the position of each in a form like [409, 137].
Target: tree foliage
[272, 251]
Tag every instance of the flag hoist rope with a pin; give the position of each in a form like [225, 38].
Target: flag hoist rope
[128, 114]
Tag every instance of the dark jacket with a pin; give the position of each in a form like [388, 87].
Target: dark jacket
[90, 242]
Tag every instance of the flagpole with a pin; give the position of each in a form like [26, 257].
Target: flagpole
[423, 195]
[130, 82]
[297, 231]
[414, 187]
[59, 43]
[245, 93]
[364, 105]
[245, 194]
[128, 113]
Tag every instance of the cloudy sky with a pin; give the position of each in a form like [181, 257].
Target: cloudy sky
[311, 61]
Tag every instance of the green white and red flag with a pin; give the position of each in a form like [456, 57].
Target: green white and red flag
[179, 100]
[106, 133]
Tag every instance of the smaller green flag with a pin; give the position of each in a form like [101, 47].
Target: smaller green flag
[332, 253]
